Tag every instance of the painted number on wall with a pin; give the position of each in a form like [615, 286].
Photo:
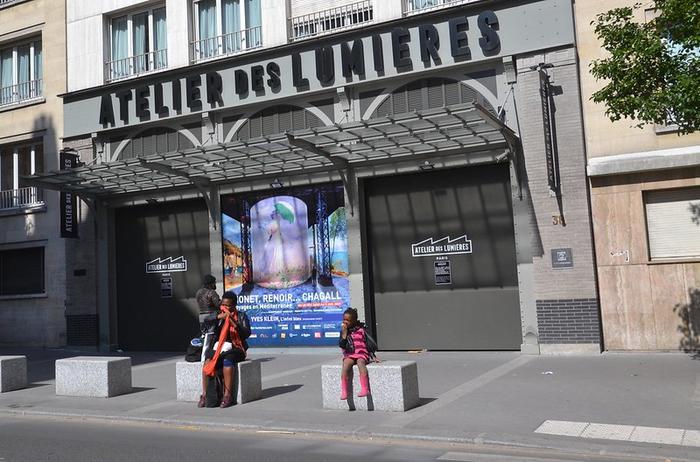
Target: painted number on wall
[558, 220]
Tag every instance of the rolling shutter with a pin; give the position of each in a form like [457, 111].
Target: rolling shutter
[673, 223]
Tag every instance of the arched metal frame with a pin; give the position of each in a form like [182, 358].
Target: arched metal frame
[130, 137]
[301, 105]
[478, 88]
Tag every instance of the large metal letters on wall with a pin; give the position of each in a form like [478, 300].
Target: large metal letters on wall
[473, 35]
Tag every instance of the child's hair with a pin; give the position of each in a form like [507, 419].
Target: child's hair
[352, 312]
[231, 296]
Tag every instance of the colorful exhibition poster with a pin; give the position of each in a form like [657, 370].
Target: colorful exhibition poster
[285, 255]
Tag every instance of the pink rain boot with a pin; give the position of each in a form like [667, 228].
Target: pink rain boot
[364, 386]
[343, 388]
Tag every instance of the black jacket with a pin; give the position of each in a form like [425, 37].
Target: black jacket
[347, 345]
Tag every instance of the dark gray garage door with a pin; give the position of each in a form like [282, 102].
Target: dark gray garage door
[432, 287]
[151, 317]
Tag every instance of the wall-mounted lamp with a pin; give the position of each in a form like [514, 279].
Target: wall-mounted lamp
[427, 166]
[151, 201]
[276, 184]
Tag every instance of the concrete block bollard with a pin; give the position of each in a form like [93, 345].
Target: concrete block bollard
[247, 382]
[393, 385]
[93, 376]
[13, 373]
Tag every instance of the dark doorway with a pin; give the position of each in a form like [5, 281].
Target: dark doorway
[155, 294]
[432, 287]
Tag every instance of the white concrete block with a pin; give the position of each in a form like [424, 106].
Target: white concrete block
[691, 438]
[562, 427]
[93, 376]
[247, 382]
[608, 431]
[393, 385]
[657, 435]
[13, 373]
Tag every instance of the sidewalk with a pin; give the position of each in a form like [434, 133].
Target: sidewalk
[484, 397]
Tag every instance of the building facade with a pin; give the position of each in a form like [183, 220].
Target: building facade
[422, 162]
[32, 255]
[645, 201]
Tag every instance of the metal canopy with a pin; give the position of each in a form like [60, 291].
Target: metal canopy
[460, 128]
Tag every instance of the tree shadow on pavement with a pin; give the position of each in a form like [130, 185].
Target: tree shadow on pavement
[689, 327]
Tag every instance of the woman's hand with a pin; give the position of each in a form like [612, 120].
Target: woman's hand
[344, 329]
[222, 315]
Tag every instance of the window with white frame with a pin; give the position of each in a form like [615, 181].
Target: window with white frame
[225, 27]
[21, 72]
[138, 43]
[673, 223]
[16, 161]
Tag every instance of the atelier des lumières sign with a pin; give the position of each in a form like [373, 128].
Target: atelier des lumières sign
[161, 99]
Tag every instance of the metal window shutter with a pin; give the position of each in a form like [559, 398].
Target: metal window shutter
[673, 222]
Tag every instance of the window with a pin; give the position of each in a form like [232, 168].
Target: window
[673, 223]
[225, 27]
[16, 161]
[20, 72]
[138, 44]
[22, 271]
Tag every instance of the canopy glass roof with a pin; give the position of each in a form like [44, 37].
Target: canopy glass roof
[459, 128]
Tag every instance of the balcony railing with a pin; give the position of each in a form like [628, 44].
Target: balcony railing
[136, 65]
[331, 20]
[22, 92]
[227, 44]
[21, 198]
[7, 2]
[421, 6]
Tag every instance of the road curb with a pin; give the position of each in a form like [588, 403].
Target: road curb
[478, 442]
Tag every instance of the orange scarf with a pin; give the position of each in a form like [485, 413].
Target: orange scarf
[229, 328]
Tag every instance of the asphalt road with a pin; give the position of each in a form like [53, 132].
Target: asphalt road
[38, 439]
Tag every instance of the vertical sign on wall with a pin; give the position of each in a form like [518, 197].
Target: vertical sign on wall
[69, 209]
[545, 95]
[166, 286]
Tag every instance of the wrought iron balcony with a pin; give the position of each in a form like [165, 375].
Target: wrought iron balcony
[22, 92]
[422, 6]
[136, 65]
[331, 20]
[226, 45]
[8, 2]
[21, 198]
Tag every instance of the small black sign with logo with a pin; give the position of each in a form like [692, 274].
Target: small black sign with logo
[443, 272]
[562, 258]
